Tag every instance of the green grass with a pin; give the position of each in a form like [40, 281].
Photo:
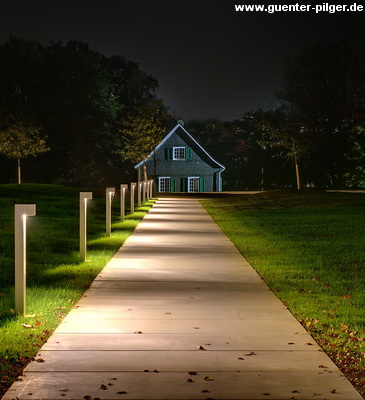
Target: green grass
[309, 248]
[56, 278]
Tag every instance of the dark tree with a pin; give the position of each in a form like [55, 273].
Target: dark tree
[323, 89]
[76, 97]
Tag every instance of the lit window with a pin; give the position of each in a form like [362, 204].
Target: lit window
[193, 184]
[164, 185]
[179, 153]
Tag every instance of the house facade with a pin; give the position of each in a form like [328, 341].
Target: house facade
[180, 164]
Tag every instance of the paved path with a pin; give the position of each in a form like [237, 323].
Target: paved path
[178, 313]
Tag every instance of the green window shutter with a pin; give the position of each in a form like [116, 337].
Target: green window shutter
[188, 153]
[202, 184]
[168, 153]
[172, 184]
[184, 184]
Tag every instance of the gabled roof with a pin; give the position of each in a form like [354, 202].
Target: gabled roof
[189, 139]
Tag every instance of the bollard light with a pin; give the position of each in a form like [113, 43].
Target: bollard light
[22, 211]
[109, 198]
[147, 190]
[132, 187]
[123, 189]
[144, 191]
[84, 197]
[151, 188]
[139, 193]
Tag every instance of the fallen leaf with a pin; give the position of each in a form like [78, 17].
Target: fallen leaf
[189, 380]
[205, 391]
[156, 371]
[265, 394]
[110, 384]
[201, 348]
[240, 358]
[192, 373]
[334, 391]
[39, 360]
[146, 370]
[344, 327]
[252, 353]
[291, 343]
[138, 332]
[309, 344]
[87, 397]
[103, 387]
[113, 379]
[168, 313]
[295, 391]
[121, 392]
[208, 378]
[321, 366]
[64, 390]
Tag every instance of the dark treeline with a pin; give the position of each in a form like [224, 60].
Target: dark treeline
[315, 126]
[79, 102]
[88, 118]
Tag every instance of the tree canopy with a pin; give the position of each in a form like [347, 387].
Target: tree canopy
[77, 97]
[323, 92]
[19, 141]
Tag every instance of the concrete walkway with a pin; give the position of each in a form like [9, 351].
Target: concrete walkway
[178, 313]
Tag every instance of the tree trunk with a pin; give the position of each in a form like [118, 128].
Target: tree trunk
[19, 172]
[296, 166]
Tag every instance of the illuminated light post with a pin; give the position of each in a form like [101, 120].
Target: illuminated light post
[139, 193]
[108, 204]
[123, 189]
[84, 197]
[22, 211]
[132, 189]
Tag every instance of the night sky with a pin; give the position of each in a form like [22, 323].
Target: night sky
[210, 61]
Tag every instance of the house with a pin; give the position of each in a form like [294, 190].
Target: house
[180, 164]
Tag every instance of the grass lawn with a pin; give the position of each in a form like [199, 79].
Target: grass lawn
[309, 247]
[56, 278]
